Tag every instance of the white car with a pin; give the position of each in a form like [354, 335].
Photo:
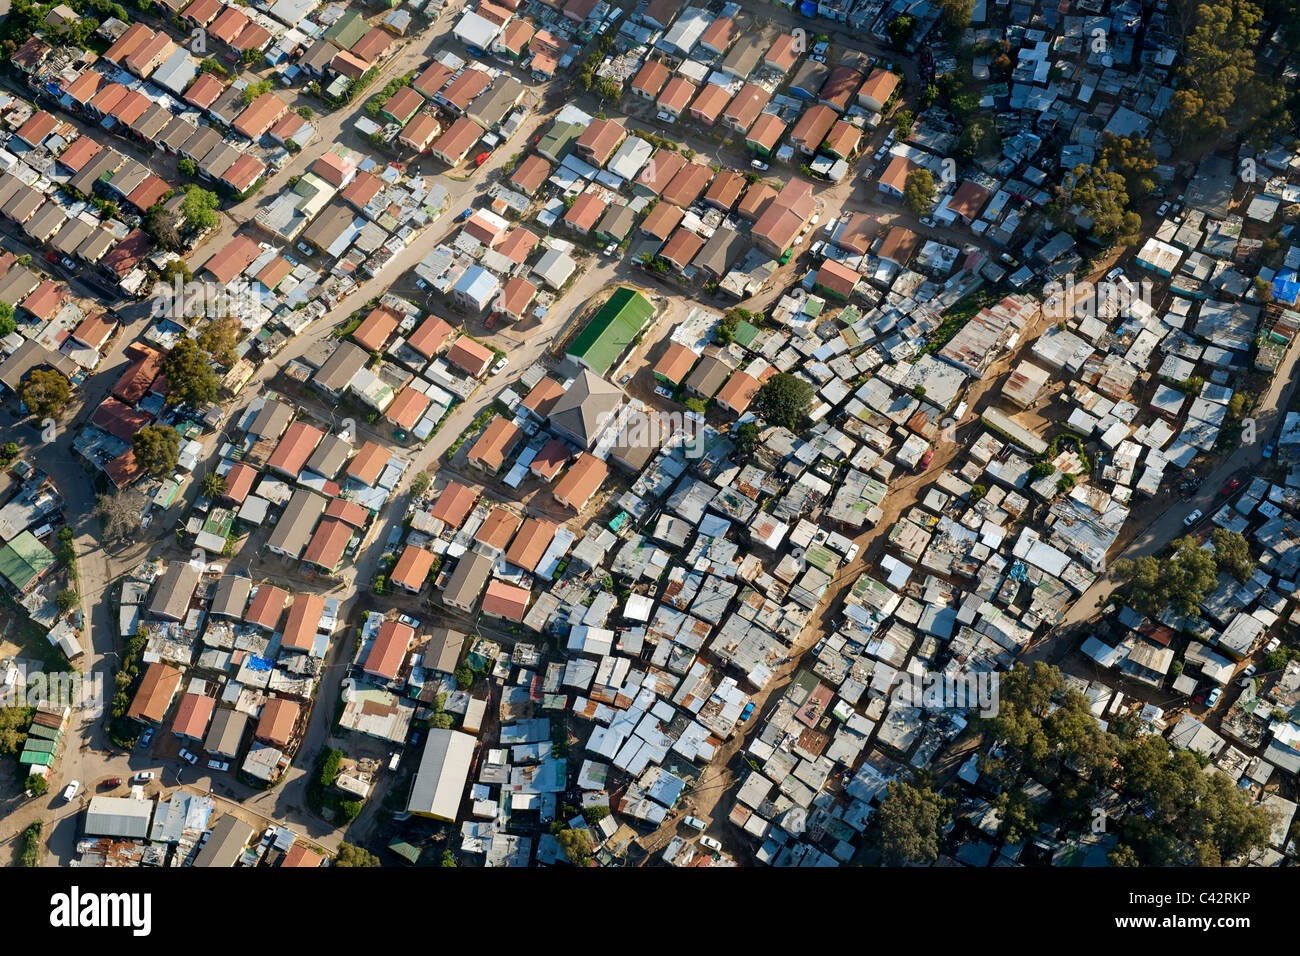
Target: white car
[695, 823]
[1164, 208]
[814, 220]
[1272, 645]
[71, 790]
[665, 392]
[1192, 518]
[409, 621]
[927, 221]
[711, 843]
[1114, 274]
[1250, 670]
[500, 364]
[851, 553]
[189, 758]
[1214, 697]
[758, 164]
[144, 776]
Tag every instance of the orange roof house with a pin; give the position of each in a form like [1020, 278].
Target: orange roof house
[373, 333]
[531, 543]
[495, 444]
[430, 337]
[303, 622]
[498, 528]
[412, 569]
[154, 696]
[675, 364]
[505, 600]
[739, 391]
[192, 716]
[469, 356]
[368, 464]
[267, 606]
[454, 504]
[294, 448]
[328, 544]
[388, 652]
[277, 722]
[580, 482]
[408, 408]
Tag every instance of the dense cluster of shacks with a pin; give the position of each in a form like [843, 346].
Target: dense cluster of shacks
[182, 829]
[665, 616]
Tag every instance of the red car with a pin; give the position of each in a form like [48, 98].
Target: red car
[112, 782]
[926, 459]
[481, 158]
[1232, 485]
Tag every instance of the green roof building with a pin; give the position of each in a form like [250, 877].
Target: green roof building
[348, 29]
[611, 330]
[23, 560]
[556, 144]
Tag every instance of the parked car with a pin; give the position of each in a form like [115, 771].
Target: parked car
[1163, 208]
[1249, 671]
[852, 553]
[71, 790]
[214, 764]
[1114, 274]
[662, 390]
[1272, 645]
[711, 843]
[144, 776]
[499, 365]
[695, 822]
[926, 459]
[758, 164]
[611, 249]
[928, 221]
[745, 714]
[189, 758]
[146, 738]
[68, 264]
[1269, 449]
[111, 783]
[409, 621]
[464, 213]
[1232, 485]
[481, 158]
[1192, 518]
[1214, 696]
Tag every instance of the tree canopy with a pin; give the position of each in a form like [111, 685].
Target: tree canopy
[918, 191]
[350, 855]
[157, 448]
[1100, 194]
[190, 377]
[45, 392]
[911, 820]
[1183, 579]
[784, 400]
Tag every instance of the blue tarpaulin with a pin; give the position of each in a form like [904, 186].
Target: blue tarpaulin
[1286, 287]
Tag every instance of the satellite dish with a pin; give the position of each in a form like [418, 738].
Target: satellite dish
[1107, 60]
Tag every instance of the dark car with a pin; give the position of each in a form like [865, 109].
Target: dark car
[146, 738]
[1232, 485]
[1269, 449]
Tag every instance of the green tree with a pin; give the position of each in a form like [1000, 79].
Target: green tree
[1217, 74]
[45, 392]
[903, 121]
[957, 13]
[213, 485]
[348, 811]
[911, 820]
[448, 859]
[210, 65]
[918, 191]
[37, 785]
[900, 29]
[350, 855]
[191, 379]
[14, 722]
[748, 437]
[7, 323]
[199, 208]
[187, 167]
[784, 400]
[65, 600]
[306, 112]
[1232, 553]
[697, 405]
[1181, 580]
[576, 845]
[1100, 195]
[1132, 158]
[253, 90]
[219, 338]
[464, 677]
[157, 448]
